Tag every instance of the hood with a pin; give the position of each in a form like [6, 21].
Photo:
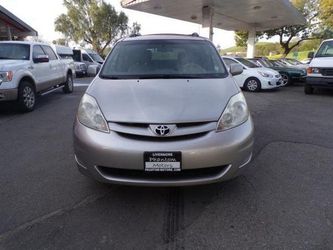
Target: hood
[322, 62]
[267, 70]
[11, 64]
[163, 101]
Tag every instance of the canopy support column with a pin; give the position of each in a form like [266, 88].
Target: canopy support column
[9, 33]
[251, 43]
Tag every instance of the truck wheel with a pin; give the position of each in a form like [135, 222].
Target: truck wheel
[26, 97]
[69, 85]
[308, 89]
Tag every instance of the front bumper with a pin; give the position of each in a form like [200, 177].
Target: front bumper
[114, 158]
[322, 82]
[8, 94]
[270, 83]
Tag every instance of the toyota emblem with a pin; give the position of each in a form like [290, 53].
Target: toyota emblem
[162, 130]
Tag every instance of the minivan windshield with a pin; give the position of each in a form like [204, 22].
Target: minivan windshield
[149, 59]
[14, 51]
[325, 50]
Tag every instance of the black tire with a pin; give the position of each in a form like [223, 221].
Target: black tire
[252, 85]
[69, 84]
[26, 97]
[285, 79]
[308, 89]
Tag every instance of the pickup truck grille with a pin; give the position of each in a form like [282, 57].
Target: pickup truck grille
[327, 71]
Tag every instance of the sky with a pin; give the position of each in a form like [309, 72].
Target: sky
[41, 14]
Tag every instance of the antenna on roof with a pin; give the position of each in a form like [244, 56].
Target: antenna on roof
[195, 34]
[135, 35]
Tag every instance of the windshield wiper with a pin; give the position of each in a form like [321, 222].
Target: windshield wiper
[2, 57]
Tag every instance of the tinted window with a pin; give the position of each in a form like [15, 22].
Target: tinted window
[247, 63]
[38, 51]
[86, 58]
[164, 59]
[10, 51]
[96, 57]
[49, 51]
[229, 61]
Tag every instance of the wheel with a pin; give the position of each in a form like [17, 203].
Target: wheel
[308, 89]
[252, 84]
[26, 97]
[285, 79]
[69, 85]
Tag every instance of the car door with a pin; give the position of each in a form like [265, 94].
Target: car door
[57, 71]
[240, 79]
[41, 71]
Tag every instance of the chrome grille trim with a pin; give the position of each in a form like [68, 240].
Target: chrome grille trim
[181, 129]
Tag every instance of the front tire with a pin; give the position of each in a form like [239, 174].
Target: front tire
[252, 85]
[69, 85]
[285, 79]
[26, 97]
[308, 89]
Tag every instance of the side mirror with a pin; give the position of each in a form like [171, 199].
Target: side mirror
[311, 55]
[236, 69]
[41, 59]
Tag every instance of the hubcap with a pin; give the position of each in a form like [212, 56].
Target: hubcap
[252, 85]
[28, 97]
[284, 79]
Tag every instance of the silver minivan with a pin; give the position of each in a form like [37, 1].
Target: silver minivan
[163, 111]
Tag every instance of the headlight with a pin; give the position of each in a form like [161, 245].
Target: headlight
[264, 74]
[90, 115]
[234, 114]
[313, 70]
[6, 76]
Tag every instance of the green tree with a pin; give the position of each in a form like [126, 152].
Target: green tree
[241, 38]
[93, 22]
[61, 41]
[308, 31]
[326, 12]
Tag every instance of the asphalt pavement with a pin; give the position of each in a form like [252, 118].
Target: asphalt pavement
[284, 200]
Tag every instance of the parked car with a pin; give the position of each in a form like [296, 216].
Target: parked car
[66, 55]
[163, 111]
[90, 58]
[320, 71]
[28, 69]
[290, 62]
[254, 78]
[288, 74]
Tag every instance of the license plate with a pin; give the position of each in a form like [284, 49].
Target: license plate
[163, 161]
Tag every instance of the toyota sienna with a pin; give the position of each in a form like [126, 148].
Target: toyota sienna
[163, 111]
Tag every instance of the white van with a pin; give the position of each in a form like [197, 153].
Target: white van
[320, 71]
[91, 58]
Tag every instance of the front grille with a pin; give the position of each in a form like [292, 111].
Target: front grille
[326, 71]
[162, 138]
[141, 174]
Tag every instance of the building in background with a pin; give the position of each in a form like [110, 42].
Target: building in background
[13, 28]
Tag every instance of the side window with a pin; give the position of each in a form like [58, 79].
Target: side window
[50, 52]
[38, 51]
[86, 58]
[228, 61]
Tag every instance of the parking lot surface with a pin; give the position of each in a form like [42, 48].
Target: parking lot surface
[283, 200]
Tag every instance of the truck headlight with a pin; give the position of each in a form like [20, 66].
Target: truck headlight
[313, 70]
[90, 115]
[6, 76]
[235, 114]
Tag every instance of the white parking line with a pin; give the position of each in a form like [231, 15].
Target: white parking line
[81, 84]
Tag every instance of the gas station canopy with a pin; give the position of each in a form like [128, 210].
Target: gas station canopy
[13, 27]
[224, 14]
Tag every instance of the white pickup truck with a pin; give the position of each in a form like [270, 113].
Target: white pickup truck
[28, 69]
[320, 71]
